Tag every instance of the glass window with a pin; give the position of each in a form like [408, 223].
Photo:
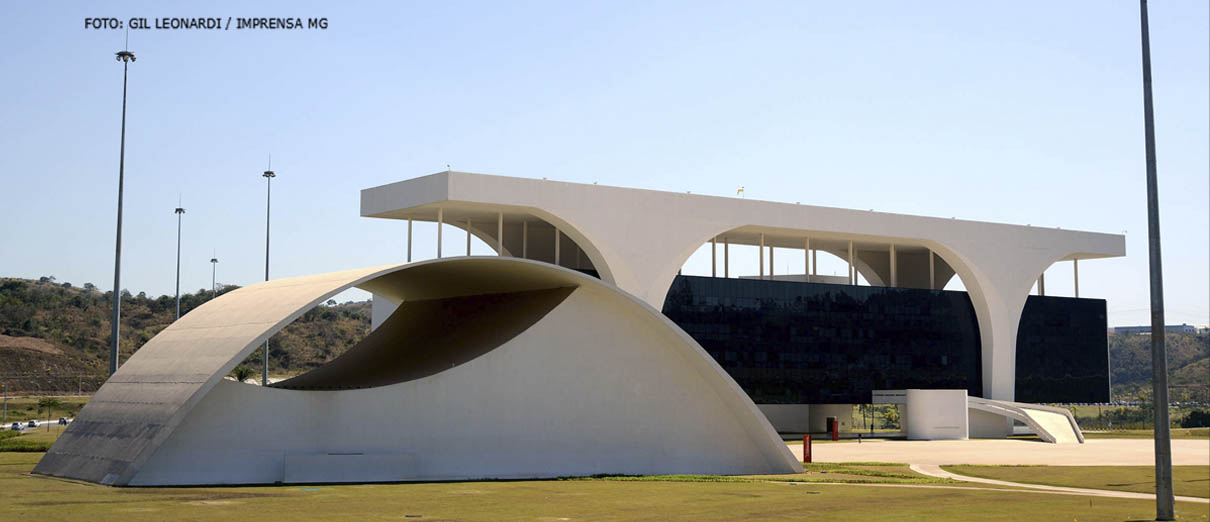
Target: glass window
[799, 343]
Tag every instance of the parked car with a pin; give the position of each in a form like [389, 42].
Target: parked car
[16, 426]
[33, 423]
[62, 421]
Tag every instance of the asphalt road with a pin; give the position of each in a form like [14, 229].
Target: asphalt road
[54, 423]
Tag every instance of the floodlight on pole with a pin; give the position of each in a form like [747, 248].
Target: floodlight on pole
[1164, 500]
[268, 175]
[213, 270]
[124, 56]
[179, 213]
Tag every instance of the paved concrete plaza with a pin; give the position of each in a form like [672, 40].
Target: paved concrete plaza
[1094, 452]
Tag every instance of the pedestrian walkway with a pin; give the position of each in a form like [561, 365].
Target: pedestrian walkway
[934, 470]
[1094, 452]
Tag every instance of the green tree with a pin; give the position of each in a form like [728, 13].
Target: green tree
[50, 404]
[892, 417]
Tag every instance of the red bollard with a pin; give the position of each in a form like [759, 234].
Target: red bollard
[806, 449]
[835, 430]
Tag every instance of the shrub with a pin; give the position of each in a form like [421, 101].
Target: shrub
[242, 373]
[1196, 419]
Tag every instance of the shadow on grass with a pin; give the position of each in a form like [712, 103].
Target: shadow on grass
[844, 473]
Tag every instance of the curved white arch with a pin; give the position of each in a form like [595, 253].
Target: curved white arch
[567, 228]
[644, 236]
[161, 418]
[997, 287]
[487, 237]
[599, 258]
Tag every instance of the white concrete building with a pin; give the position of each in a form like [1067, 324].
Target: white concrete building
[638, 240]
[523, 365]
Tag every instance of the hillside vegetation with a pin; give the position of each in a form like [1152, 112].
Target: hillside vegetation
[1188, 366]
[56, 336]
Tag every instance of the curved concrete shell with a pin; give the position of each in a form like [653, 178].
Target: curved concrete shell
[491, 367]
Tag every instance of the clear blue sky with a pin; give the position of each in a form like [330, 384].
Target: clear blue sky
[1016, 112]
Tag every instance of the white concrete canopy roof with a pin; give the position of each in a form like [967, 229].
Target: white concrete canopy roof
[639, 239]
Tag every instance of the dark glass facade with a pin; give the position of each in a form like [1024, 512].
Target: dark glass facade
[1063, 351]
[788, 342]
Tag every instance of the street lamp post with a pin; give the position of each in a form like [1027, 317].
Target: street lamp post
[124, 56]
[269, 175]
[179, 213]
[213, 270]
[1164, 500]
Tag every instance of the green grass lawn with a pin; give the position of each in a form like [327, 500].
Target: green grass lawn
[855, 473]
[1189, 481]
[34, 439]
[612, 498]
[1177, 433]
[1093, 412]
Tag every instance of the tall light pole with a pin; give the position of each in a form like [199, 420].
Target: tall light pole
[213, 270]
[179, 213]
[124, 56]
[269, 175]
[1164, 508]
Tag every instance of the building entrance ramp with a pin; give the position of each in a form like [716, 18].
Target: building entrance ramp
[1051, 424]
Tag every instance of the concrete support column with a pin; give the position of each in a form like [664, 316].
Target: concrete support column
[500, 233]
[409, 240]
[806, 259]
[999, 317]
[557, 245]
[852, 280]
[1042, 284]
[770, 262]
[468, 236]
[932, 272]
[525, 240]
[726, 257]
[713, 257]
[998, 291]
[815, 262]
[1075, 267]
[761, 252]
[440, 219]
[894, 275]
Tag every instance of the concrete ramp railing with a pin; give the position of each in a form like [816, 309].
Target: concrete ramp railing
[1054, 425]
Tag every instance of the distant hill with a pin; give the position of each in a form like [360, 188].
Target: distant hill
[55, 336]
[1188, 365]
